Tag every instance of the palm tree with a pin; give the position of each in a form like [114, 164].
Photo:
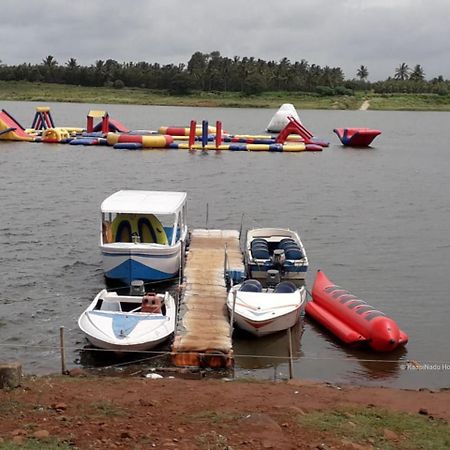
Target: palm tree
[72, 64]
[402, 72]
[362, 73]
[417, 73]
[49, 61]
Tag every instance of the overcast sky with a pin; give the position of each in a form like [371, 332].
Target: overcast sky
[380, 34]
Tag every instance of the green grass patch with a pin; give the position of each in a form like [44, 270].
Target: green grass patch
[409, 102]
[8, 407]
[30, 444]
[107, 409]
[52, 92]
[370, 424]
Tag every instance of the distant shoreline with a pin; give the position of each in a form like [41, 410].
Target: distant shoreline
[46, 92]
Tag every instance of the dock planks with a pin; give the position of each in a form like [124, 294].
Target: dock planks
[203, 337]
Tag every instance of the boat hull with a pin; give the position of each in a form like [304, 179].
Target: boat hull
[265, 312]
[132, 262]
[265, 327]
[107, 327]
[100, 343]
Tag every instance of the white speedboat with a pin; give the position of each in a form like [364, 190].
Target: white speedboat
[143, 235]
[275, 248]
[261, 311]
[128, 322]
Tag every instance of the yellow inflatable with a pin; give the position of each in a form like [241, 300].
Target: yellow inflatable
[55, 135]
[143, 228]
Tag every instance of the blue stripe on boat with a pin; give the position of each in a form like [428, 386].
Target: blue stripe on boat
[133, 270]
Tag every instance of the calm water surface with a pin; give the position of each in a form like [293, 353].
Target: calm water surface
[377, 221]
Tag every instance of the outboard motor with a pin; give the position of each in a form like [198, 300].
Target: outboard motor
[273, 277]
[278, 258]
[137, 288]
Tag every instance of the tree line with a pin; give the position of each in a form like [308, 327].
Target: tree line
[215, 73]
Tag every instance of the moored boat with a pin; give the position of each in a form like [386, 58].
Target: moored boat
[143, 235]
[134, 322]
[275, 249]
[262, 311]
[351, 319]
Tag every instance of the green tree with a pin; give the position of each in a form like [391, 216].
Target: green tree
[254, 84]
[181, 84]
[197, 68]
[50, 61]
[417, 73]
[72, 64]
[402, 72]
[362, 73]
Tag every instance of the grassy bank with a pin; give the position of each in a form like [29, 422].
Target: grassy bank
[44, 92]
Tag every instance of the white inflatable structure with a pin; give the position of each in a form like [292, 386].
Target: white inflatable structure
[280, 118]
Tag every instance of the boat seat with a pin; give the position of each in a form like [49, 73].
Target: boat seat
[259, 241]
[260, 249]
[285, 242]
[251, 286]
[293, 252]
[151, 303]
[285, 287]
[260, 253]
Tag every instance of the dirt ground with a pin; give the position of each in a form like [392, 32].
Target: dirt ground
[139, 413]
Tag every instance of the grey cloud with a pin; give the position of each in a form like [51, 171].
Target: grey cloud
[380, 34]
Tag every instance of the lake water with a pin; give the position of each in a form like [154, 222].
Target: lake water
[377, 221]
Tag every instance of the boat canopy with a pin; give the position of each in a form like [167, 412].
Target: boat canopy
[144, 202]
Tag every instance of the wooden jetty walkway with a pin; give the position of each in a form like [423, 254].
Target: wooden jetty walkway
[203, 334]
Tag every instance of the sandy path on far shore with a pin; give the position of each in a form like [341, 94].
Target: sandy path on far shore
[365, 105]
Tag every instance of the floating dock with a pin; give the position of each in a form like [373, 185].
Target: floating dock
[203, 333]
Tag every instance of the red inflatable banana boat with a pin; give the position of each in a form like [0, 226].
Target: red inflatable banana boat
[352, 320]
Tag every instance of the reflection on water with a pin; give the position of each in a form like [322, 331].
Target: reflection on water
[373, 365]
[94, 358]
[253, 352]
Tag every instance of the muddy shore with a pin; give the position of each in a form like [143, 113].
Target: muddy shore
[83, 411]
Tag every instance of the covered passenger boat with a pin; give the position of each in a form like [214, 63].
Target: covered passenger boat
[143, 235]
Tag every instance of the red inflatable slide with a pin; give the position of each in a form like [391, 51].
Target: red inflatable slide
[295, 127]
[350, 319]
[11, 130]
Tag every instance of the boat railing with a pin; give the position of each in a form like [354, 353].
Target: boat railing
[229, 282]
[226, 266]
[180, 281]
[232, 311]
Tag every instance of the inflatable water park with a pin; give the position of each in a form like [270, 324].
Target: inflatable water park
[101, 129]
